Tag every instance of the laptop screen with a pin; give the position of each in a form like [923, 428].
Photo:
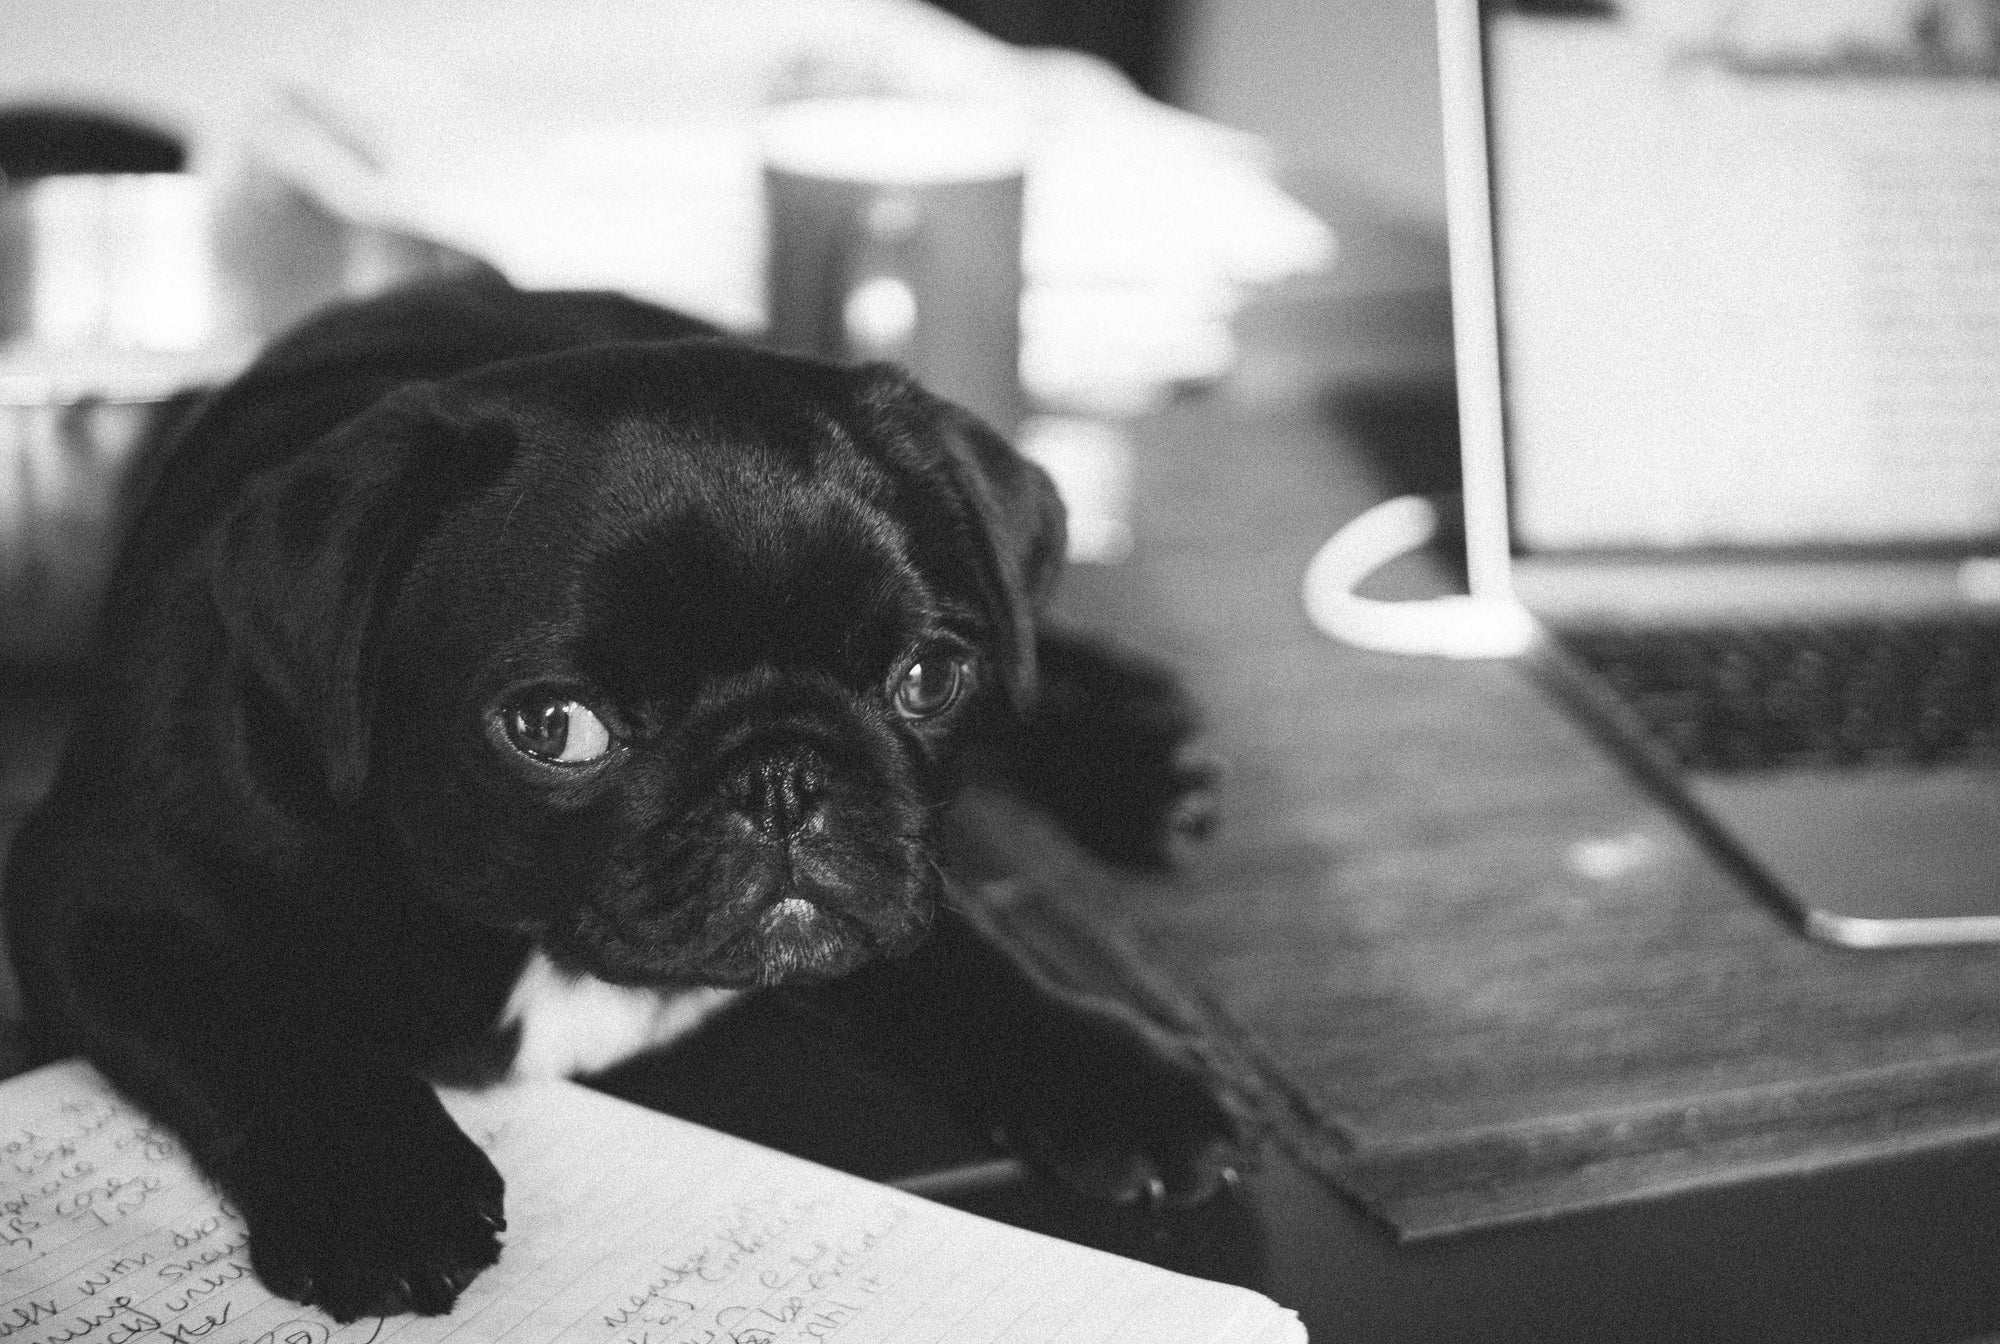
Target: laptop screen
[1748, 280]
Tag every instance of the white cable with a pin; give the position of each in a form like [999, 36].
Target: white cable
[1456, 626]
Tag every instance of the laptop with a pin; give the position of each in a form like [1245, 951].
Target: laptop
[1727, 312]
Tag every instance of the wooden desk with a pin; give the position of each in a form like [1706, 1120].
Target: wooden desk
[1587, 1084]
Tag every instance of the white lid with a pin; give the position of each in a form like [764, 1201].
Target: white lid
[900, 140]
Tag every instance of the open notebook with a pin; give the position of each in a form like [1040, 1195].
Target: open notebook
[625, 1227]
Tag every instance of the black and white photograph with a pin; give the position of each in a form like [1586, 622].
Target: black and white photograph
[999, 672]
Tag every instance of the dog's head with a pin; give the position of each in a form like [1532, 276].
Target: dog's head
[659, 653]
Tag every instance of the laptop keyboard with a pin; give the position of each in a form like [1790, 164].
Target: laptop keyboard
[1739, 698]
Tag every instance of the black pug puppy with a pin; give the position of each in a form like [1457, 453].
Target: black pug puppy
[478, 653]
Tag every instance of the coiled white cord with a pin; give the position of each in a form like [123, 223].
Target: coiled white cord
[1453, 626]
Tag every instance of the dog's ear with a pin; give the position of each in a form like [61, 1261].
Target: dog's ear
[1015, 521]
[310, 559]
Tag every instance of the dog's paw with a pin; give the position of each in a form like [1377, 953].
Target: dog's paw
[369, 1206]
[1117, 1111]
[1111, 750]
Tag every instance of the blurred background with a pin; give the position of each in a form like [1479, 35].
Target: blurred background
[1191, 159]
[1345, 94]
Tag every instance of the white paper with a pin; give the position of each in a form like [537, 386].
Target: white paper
[624, 1227]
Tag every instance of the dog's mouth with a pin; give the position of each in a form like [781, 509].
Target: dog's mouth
[799, 916]
[758, 913]
[798, 937]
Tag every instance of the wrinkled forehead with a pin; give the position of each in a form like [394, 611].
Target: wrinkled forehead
[691, 555]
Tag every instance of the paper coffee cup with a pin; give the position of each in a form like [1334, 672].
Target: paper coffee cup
[895, 234]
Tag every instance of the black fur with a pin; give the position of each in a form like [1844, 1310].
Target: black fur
[296, 850]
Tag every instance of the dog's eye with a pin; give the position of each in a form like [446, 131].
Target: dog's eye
[562, 732]
[930, 686]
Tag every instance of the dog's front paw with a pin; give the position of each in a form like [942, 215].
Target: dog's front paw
[368, 1205]
[1117, 1110]
[1111, 750]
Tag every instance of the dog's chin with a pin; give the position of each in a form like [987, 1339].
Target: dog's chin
[796, 939]
[758, 930]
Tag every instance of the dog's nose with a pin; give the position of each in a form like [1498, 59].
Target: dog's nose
[780, 795]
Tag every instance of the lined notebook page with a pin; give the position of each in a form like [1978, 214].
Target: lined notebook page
[624, 1227]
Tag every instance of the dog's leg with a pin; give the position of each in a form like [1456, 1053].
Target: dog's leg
[1083, 1089]
[1109, 750]
[362, 1195]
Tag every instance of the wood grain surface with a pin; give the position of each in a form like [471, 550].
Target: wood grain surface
[1489, 977]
